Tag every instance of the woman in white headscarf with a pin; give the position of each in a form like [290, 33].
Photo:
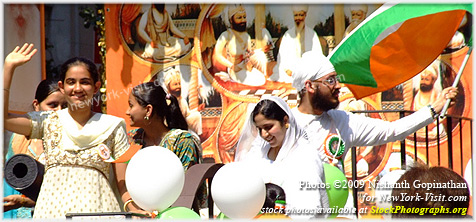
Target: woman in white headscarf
[283, 156]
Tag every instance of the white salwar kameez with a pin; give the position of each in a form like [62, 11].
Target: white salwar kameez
[357, 130]
[296, 164]
[76, 178]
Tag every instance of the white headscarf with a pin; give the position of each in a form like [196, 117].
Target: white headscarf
[311, 66]
[250, 135]
[296, 162]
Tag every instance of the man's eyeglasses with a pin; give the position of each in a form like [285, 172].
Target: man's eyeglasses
[331, 81]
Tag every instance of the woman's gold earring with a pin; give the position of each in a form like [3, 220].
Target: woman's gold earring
[287, 125]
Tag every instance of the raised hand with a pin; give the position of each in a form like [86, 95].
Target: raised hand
[20, 56]
[447, 93]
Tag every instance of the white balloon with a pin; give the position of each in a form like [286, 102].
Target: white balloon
[238, 190]
[154, 178]
[383, 194]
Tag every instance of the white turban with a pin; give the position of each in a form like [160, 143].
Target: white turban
[311, 66]
[298, 8]
[231, 10]
[434, 69]
[457, 41]
[170, 74]
[363, 8]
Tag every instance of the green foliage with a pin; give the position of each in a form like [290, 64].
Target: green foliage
[52, 71]
[275, 29]
[95, 18]
[327, 28]
[91, 16]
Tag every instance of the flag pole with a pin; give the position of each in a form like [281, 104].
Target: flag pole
[455, 83]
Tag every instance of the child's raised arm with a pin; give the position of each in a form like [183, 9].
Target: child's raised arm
[16, 123]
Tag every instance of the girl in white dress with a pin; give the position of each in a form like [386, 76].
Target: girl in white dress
[80, 145]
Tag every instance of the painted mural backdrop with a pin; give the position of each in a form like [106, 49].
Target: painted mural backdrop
[22, 23]
[216, 67]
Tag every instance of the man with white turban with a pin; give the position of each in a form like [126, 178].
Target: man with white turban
[234, 57]
[294, 43]
[318, 87]
[358, 14]
[426, 88]
[173, 85]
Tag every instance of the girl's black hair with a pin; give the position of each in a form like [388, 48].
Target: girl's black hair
[90, 66]
[270, 110]
[45, 88]
[152, 93]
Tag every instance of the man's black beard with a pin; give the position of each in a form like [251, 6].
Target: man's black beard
[319, 102]
[240, 27]
[177, 93]
[425, 87]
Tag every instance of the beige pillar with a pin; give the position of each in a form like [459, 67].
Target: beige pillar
[339, 22]
[260, 21]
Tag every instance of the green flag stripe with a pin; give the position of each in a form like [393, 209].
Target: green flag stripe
[351, 57]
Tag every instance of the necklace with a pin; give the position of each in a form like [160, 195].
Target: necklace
[155, 142]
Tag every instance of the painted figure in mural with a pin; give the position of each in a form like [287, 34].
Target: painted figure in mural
[422, 174]
[368, 159]
[268, 41]
[426, 87]
[47, 97]
[315, 79]
[233, 54]
[172, 82]
[458, 41]
[22, 24]
[294, 43]
[358, 14]
[21, 19]
[74, 167]
[273, 142]
[164, 41]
